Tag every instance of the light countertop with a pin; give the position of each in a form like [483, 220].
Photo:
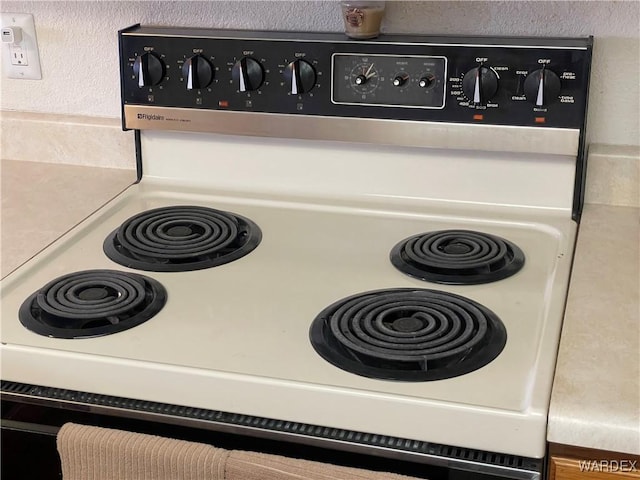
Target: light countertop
[596, 395]
[41, 201]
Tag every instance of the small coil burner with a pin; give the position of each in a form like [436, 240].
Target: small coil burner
[92, 303]
[457, 257]
[408, 334]
[181, 238]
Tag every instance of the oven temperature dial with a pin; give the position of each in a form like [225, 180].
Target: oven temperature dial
[480, 84]
[300, 76]
[247, 74]
[148, 69]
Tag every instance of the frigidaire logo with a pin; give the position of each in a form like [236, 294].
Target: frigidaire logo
[146, 116]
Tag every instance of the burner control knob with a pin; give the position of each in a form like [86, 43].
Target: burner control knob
[149, 69]
[301, 76]
[480, 84]
[542, 87]
[247, 74]
[197, 72]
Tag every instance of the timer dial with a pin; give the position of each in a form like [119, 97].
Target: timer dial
[148, 69]
[542, 87]
[364, 78]
[400, 79]
[300, 76]
[480, 84]
[197, 72]
[247, 74]
[427, 81]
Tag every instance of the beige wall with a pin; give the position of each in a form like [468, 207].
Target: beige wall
[78, 44]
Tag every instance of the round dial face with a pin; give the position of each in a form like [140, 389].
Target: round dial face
[364, 77]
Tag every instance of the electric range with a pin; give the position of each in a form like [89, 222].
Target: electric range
[359, 244]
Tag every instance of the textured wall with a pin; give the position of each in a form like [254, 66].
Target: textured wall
[78, 44]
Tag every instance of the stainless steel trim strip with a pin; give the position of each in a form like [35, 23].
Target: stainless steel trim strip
[461, 136]
[268, 434]
[337, 38]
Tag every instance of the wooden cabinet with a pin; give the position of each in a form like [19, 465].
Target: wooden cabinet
[574, 463]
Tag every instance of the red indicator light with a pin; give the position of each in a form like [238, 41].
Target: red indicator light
[478, 116]
[540, 119]
[223, 103]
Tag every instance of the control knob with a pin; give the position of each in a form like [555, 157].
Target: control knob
[400, 79]
[301, 76]
[247, 74]
[542, 87]
[149, 69]
[197, 72]
[360, 80]
[480, 84]
[426, 81]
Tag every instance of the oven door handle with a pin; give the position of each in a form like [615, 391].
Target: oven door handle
[28, 427]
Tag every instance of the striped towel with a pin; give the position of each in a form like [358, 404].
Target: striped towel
[96, 453]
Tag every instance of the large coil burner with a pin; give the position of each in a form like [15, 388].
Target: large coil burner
[408, 334]
[181, 238]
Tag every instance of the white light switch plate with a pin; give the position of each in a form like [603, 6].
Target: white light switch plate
[27, 49]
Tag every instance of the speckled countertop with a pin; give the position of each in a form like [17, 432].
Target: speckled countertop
[41, 201]
[596, 395]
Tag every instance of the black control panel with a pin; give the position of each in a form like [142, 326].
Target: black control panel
[482, 80]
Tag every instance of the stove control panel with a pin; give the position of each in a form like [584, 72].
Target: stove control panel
[493, 81]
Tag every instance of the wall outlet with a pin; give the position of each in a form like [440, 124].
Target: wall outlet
[20, 57]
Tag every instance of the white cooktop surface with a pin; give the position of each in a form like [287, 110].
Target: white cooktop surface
[249, 320]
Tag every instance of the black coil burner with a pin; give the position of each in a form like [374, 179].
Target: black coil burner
[408, 334]
[92, 303]
[181, 238]
[457, 257]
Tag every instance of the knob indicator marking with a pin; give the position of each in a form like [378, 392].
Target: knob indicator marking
[295, 79]
[190, 79]
[141, 74]
[243, 75]
[540, 96]
[476, 88]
